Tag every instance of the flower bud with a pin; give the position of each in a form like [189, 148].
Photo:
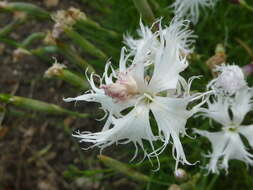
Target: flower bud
[217, 59]
[174, 187]
[54, 70]
[181, 175]
[230, 80]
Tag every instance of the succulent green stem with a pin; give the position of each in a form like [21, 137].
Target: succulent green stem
[33, 37]
[73, 57]
[69, 77]
[145, 10]
[28, 8]
[74, 79]
[85, 44]
[10, 42]
[123, 168]
[246, 5]
[154, 4]
[37, 105]
[88, 23]
[97, 5]
[10, 27]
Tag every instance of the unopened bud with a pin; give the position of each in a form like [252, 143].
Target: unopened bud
[54, 70]
[181, 175]
[174, 187]
[230, 80]
[219, 58]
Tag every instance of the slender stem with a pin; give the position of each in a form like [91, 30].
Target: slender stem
[74, 79]
[73, 57]
[10, 27]
[37, 105]
[27, 8]
[33, 37]
[144, 10]
[245, 4]
[85, 44]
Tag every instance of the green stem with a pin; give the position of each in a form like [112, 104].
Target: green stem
[85, 44]
[10, 27]
[212, 182]
[154, 5]
[245, 4]
[98, 6]
[97, 27]
[10, 42]
[33, 37]
[145, 10]
[74, 79]
[107, 45]
[28, 8]
[74, 58]
[37, 105]
[43, 52]
[123, 168]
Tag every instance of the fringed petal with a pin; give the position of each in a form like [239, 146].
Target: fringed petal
[226, 145]
[241, 105]
[190, 8]
[133, 127]
[218, 110]
[171, 116]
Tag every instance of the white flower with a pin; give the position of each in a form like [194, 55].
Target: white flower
[147, 45]
[230, 80]
[227, 144]
[190, 8]
[141, 89]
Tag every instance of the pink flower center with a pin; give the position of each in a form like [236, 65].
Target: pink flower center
[124, 88]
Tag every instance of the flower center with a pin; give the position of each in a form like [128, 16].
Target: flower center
[124, 88]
